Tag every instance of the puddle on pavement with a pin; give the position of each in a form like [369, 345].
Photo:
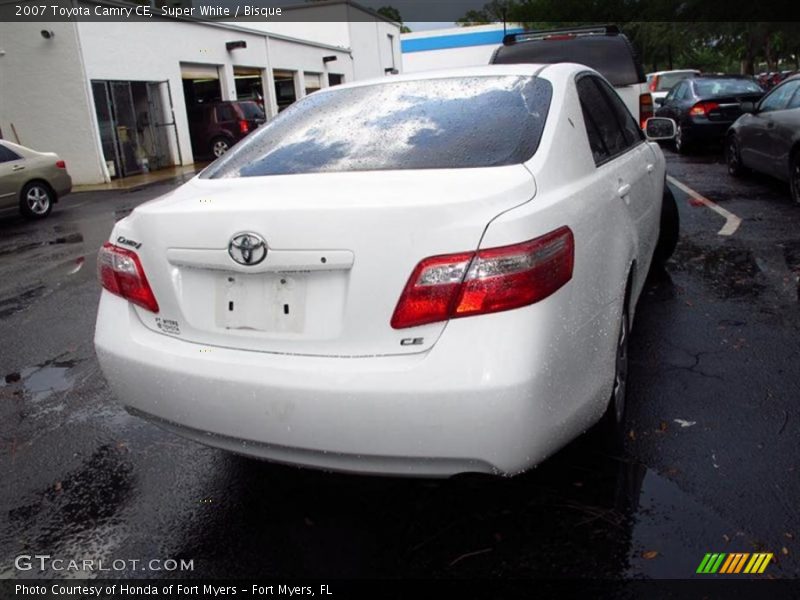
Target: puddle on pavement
[731, 272]
[70, 238]
[41, 381]
[77, 507]
[19, 302]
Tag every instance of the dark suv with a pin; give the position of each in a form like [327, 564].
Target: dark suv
[602, 47]
[216, 126]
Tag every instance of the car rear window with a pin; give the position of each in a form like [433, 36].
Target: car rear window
[251, 110]
[725, 87]
[448, 123]
[226, 112]
[612, 56]
[668, 81]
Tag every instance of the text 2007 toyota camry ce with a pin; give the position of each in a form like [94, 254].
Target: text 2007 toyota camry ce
[425, 275]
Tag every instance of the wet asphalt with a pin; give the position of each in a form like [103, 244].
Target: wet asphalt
[711, 461]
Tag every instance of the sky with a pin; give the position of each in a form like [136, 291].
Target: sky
[427, 25]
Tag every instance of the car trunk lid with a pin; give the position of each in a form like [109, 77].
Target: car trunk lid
[340, 249]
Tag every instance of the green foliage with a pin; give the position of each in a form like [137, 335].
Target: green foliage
[390, 12]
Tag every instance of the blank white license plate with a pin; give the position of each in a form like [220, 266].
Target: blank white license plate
[263, 302]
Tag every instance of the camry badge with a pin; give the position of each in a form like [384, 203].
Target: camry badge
[247, 248]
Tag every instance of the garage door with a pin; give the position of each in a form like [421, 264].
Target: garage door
[198, 71]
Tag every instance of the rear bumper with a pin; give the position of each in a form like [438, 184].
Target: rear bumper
[62, 185]
[706, 131]
[456, 408]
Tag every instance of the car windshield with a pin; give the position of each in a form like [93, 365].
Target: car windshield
[667, 81]
[251, 110]
[458, 122]
[725, 87]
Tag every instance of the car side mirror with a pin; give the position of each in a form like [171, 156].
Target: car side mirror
[659, 128]
[748, 107]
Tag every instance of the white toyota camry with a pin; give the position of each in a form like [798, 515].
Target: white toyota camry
[426, 274]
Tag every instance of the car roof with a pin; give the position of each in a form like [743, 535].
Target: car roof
[21, 150]
[522, 70]
[611, 54]
[724, 76]
[673, 71]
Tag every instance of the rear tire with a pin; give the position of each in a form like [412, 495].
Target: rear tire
[794, 176]
[670, 228]
[733, 157]
[613, 422]
[681, 145]
[36, 200]
[219, 146]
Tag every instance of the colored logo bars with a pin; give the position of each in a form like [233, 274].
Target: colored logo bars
[734, 563]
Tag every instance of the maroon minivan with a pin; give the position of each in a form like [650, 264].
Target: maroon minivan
[216, 126]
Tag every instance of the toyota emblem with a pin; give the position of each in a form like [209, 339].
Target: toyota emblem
[247, 248]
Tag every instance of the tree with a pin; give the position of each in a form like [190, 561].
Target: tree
[495, 11]
[391, 13]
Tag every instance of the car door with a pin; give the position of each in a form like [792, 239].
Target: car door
[678, 94]
[12, 167]
[758, 142]
[670, 101]
[781, 127]
[620, 150]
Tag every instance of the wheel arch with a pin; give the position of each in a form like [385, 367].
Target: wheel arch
[41, 181]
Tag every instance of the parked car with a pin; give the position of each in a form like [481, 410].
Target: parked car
[766, 138]
[422, 275]
[661, 82]
[216, 126]
[705, 106]
[602, 48]
[31, 182]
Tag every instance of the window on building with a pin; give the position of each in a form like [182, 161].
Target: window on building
[313, 82]
[285, 94]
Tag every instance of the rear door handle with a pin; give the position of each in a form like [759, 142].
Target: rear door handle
[624, 190]
[650, 168]
[18, 168]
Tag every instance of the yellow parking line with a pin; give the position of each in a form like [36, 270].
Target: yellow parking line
[732, 222]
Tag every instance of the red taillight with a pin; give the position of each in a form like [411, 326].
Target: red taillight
[654, 83]
[244, 126]
[121, 273]
[701, 109]
[645, 109]
[493, 280]
[60, 164]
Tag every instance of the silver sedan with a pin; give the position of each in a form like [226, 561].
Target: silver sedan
[30, 181]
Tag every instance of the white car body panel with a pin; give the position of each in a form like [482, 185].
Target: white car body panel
[495, 393]
[339, 308]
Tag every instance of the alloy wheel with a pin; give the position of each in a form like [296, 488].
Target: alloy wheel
[38, 200]
[220, 147]
[732, 156]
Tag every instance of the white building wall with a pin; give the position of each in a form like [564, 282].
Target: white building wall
[453, 47]
[449, 58]
[45, 95]
[154, 51]
[371, 51]
[46, 84]
[290, 56]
